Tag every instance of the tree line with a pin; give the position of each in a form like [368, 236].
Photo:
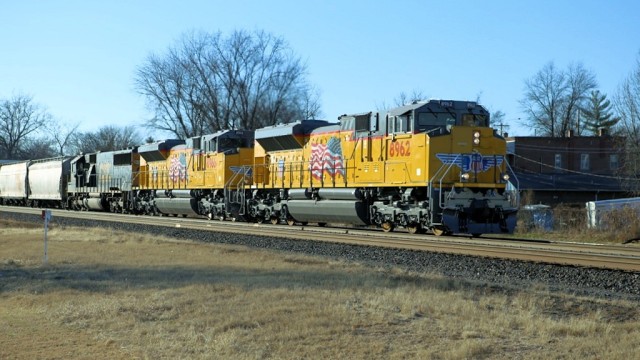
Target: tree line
[29, 131]
[207, 82]
[560, 103]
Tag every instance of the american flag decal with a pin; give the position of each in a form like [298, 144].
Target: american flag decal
[471, 162]
[326, 158]
[178, 168]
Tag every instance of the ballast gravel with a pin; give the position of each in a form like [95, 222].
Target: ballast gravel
[504, 274]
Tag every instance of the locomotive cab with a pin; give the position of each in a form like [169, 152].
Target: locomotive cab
[436, 117]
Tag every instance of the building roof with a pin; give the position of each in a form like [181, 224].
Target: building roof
[568, 182]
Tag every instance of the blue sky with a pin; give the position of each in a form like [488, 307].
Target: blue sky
[78, 58]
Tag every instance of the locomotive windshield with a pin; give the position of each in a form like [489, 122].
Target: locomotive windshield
[229, 145]
[430, 121]
[474, 120]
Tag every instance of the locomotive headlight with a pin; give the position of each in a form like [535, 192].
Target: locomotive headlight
[505, 177]
[465, 177]
[476, 137]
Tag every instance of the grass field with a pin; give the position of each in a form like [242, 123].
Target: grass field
[112, 295]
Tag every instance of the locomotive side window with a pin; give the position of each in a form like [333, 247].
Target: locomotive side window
[363, 122]
[122, 159]
[196, 143]
[401, 123]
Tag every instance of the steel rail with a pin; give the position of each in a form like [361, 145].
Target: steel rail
[609, 256]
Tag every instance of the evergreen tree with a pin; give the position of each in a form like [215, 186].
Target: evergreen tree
[598, 113]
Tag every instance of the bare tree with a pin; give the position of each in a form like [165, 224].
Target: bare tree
[62, 135]
[580, 82]
[310, 101]
[107, 138]
[552, 98]
[627, 104]
[208, 82]
[498, 121]
[20, 118]
[37, 148]
[166, 84]
[405, 99]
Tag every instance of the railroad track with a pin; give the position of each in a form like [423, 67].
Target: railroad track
[606, 256]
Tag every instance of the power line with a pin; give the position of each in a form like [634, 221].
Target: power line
[575, 171]
[538, 148]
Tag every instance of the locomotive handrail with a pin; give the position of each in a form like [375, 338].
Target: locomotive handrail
[516, 203]
[441, 194]
[445, 171]
[239, 195]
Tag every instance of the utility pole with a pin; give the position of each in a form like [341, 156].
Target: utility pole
[502, 125]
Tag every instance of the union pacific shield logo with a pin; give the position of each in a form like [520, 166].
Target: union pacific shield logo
[471, 162]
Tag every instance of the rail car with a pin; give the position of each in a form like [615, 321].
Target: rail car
[13, 183]
[435, 165]
[37, 183]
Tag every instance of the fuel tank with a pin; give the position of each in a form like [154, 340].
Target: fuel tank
[329, 211]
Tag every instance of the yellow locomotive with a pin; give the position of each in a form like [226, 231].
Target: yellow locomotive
[188, 177]
[431, 165]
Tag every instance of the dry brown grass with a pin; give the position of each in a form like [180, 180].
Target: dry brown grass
[570, 224]
[622, 224]
[113, 295]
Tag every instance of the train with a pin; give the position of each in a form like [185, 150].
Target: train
[433, 166]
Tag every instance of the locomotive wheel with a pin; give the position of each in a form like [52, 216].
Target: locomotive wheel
[322, 224]
[476, 234]
[260, 220]
[210, 216]
[222, 217]
[387, 226]
[291, 222]
[414, 228]
[274, 220]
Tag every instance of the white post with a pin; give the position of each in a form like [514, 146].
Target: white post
[46, 216]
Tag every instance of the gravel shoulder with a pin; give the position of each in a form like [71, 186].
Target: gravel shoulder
[500, 275]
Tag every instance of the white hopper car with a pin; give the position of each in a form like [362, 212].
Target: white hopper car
[41, 183]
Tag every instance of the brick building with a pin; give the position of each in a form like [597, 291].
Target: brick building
[572, 169]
